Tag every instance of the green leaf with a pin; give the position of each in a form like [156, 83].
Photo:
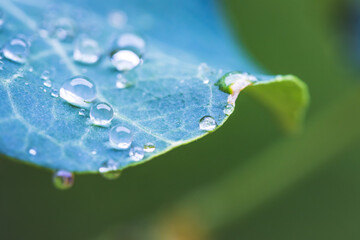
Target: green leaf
[163, 104]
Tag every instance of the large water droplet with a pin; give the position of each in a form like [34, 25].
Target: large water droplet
[101, 114]
[120, 137]
[149, 147]
[17, 50]
[207, 123]
[136, 153]
[229, 109]
[109, 170]
[64, 29]
[63, 179]
[128, 53]
[124, 60]
[86, 50]
[78, 91]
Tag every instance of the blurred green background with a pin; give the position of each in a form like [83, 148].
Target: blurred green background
[296, 187]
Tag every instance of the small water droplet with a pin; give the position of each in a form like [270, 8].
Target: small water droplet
[17, 50]
[207, 123]
[63, 179]
[205, 73]
[31, 69]
[64, 29]
[47, 83]
[101, 114]
[82, 112]
[117, 19]
[120, 137]
[121, 81]
[136, 153]
[1, 65]
[109, 170]
[94, 152]
[86, 50]
[229, 109]
[149, 147]
[78, 91]
[32, 151]
[45, 75]
[54, 93]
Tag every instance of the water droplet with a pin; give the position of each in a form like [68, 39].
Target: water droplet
[149, 147]
[117, 19]
[207, 123]
[136, 153]
[54, 93]
[63, 179]
[32, 151]
[109, 170]
[120, 137]
[101, 114]
[64, 29]
[86, 50]
[30, 69]
[121, 81]
[17, 50]
[94, 152]
[45, 75]
[47, 83]
[1, 65]
[128, 53]
[124, 60]
[229, 109]
[78, 91]
[82, 112]
[205, 73]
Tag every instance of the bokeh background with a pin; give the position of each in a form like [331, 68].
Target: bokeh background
[302, 186]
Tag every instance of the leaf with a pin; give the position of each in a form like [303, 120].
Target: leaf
[164, 104]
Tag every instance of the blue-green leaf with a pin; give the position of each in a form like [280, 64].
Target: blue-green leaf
[165, 97]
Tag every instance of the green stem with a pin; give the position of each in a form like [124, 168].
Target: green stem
[279, 166]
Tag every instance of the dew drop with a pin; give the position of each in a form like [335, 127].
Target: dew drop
[78, 91]
[120, 137]
[205, 73]
[124, 60]
[109, 170]
[149, 147]
[117, 19]
[229, 109]
[54, 93]
[16, 50]
[136, 153]
[121, 81]
[32, 152]
[207, 123]
[128, 53]
[64, 29]
[101, 114]
[47, 83]
[86, 50]
[45, 75]
[63, 179]
[82, 112]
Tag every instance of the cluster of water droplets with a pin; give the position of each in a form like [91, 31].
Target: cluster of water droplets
[80, 91]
